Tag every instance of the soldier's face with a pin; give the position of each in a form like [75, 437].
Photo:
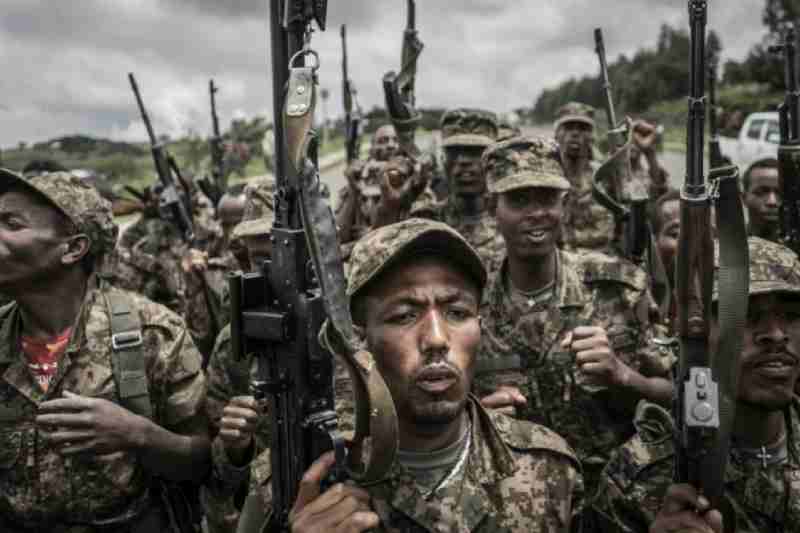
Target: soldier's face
[575, 139]
[463, 168]
[31, 241]
[667, 238]
[422, 326]
[384, 143]
[763, 197]
[770, 361]
[530, 220]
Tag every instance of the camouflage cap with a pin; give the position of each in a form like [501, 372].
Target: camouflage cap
[522, 162]
[468, 127]
[574, 112]
[383, 247]
[77, 200]
[259, 210]
[773, 268]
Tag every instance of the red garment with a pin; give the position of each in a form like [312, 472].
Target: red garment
[43, 356]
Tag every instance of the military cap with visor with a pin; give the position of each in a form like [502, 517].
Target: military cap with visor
[774, 268]
[259, 210]
[468, 127]
[76, 199]
[523, 162]
[387, 246]
[574, 112]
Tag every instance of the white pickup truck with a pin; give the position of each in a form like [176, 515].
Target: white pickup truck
[758, 138]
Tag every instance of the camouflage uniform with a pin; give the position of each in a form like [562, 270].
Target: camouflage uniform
[761, 498]
[522, 337]
[517, 476]
[466, 127]
[587, 224]
[41, 490]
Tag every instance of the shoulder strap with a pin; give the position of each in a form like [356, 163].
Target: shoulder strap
[127, 360]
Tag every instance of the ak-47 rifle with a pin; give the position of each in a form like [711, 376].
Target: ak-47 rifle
[614, 186]
[715, 157]
[169, 174]
[279, 310]
[399, 88]
[789, 149]
[219, 177]
[705, 397]
[352, 111]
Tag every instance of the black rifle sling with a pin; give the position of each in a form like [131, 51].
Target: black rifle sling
[127, 360]
[734, 289]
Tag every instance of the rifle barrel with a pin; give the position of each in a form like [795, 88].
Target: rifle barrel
[142, 110]
[601, 54]
[412, 15]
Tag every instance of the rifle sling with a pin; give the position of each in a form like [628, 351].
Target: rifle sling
[375, 413]
[734, 283]
[127, 360]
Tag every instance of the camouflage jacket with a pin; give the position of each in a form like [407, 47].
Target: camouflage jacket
[481, 232]
[759, 500]
[519, 477]
[228, 377]
[587, 224]
[521, 347]
[39, 487]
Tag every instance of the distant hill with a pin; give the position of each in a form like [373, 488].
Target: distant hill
[84, 145]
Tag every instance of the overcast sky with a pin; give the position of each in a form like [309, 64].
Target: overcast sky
[65, 63]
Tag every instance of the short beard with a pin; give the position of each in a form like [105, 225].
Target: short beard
[434, 415]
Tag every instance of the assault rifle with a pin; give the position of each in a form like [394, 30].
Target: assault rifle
[715, 157]
[170, 200]
[789, 149]
[352, 111]
[705, 397]
[613, 185]
[278, 310]
[219, 183]
[399, 88]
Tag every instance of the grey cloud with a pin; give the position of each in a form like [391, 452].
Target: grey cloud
[67, 61]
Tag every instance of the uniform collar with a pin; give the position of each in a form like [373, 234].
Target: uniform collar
[461, 505]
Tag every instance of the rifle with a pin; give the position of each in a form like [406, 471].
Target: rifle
[278, 310]
[219, 178]
[352, 111]
[399, 88]
[789, 149]
[715, 157]
[170, 200]
[705, 397]
[613, 185]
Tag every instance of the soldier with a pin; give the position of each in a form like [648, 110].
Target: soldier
[465, 134]
[154, 260]
[415, 288]
[239, 428]
[587, 224]
[762, 491]
[102, 390]
[356, 199]
[762, 197]
[567, 335]
[230, 211]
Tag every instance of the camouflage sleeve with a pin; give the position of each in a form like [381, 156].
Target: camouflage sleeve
[612, 511]
[175, 374]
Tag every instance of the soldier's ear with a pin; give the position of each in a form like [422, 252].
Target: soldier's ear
[74, 249]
